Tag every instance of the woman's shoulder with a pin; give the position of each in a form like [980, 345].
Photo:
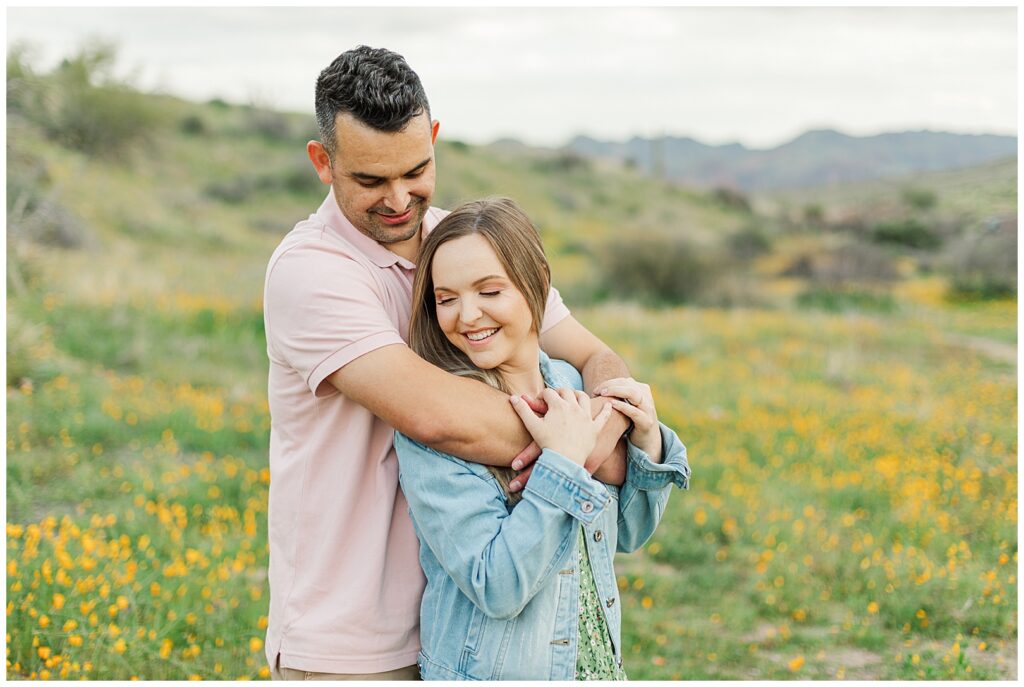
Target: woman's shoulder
[559, 373]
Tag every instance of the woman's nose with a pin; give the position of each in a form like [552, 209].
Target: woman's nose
[469, 313]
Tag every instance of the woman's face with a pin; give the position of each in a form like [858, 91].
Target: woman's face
[478, 307]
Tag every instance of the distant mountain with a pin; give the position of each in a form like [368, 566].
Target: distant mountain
[813, 158]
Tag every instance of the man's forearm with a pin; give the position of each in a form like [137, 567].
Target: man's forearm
[452, 414]
[495, 437]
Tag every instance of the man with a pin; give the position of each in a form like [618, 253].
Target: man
[345, 582]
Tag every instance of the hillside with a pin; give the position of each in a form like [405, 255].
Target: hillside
[971, 193]
[812, 159]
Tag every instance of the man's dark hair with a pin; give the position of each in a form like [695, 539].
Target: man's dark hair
[374, 85]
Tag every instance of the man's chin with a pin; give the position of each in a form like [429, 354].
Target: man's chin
[397, 233]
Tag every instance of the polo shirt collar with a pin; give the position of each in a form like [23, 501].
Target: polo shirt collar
[334, 219]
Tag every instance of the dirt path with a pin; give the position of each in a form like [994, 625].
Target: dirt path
[997, 350]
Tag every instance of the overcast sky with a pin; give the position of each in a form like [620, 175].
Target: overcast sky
[755, 75]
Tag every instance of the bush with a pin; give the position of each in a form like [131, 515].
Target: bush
[23, 92]
[87, 109]
[563, 162]
[732, 199]
[920, 199]
[749, 242]
[852, 263]
[906, 232]
[268, 124]
[814, 215]
[298, 179]
[656, 270]
[33, 214]
[985, 266]
[193, 125]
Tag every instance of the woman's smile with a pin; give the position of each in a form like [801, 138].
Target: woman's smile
[481, 337]
[479, 309]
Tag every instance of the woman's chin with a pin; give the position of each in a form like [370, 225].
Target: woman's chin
[485, 362]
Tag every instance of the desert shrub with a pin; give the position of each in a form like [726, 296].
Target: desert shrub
[852, 223]
[33, 213]
[985, 266]
[908, 232]
[731, 199]
[86, 108]
[23, 87]
[298, 179]
[51, 224]
[657, 270]
[814, 215]
[193, 125]
[563, 162]
[232, 191]
[270, 125]
[851, 263]
[920, 199]
[749, 242]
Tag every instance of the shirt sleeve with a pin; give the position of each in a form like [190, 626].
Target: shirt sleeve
[324, 310]
[555, 310]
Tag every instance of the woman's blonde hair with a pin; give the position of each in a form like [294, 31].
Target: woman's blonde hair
[516, 243]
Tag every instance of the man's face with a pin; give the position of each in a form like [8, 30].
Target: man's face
[384, 181]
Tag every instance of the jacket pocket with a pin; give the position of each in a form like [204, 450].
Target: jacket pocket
[474, 635]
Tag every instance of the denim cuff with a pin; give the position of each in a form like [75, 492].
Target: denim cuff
[567, 486]
[645, 474]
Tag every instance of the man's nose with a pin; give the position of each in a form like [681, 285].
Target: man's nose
[398, 197]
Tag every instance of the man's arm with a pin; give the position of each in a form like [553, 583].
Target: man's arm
[571, 341]
[452, 414]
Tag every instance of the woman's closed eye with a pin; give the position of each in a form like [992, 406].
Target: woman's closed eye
[490, 293]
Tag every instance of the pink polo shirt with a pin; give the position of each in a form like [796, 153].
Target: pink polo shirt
[345, 580]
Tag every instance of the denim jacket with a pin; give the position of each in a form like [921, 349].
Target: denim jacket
[502, 594]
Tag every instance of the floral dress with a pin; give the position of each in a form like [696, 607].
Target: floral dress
[595, 657]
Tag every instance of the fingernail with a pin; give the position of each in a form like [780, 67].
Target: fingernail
[515, 399]
[513, 486]
[517, 465]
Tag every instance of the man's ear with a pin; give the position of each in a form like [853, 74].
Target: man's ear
[434, 126]
[322, 161]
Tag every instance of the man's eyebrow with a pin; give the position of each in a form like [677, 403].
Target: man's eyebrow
[371, 177]
[477, 282]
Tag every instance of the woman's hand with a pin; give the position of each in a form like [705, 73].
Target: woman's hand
[567, 426]
[635, 401]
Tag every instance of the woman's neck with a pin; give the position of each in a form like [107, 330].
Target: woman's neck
[522, 373]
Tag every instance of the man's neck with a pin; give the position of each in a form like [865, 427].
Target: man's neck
[407, 249]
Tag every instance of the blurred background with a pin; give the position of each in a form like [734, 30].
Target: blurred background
[798, 224]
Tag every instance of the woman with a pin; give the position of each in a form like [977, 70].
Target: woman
[521, 588]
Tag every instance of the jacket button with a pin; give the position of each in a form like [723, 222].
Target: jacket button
[599, 535]
[587, 507]
[611, 601]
